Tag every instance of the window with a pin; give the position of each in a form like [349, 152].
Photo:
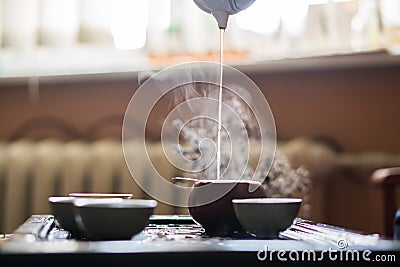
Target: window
[47, 37]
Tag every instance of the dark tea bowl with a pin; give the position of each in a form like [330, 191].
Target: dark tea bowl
[210, 204]
[266, 217]
[112, 218]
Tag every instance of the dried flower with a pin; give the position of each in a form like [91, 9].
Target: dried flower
[285, 181]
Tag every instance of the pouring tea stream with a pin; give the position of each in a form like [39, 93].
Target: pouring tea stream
[221, 11]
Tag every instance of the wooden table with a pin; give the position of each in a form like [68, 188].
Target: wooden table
[170, 245]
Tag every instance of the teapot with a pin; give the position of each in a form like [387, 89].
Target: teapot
[223, 8]
[210, 204]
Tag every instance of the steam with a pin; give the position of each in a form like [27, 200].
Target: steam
[198, 136]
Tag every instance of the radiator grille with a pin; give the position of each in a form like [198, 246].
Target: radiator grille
[31, 171]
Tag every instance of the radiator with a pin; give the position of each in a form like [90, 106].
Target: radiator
[31, 171]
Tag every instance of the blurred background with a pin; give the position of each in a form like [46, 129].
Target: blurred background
[44, 37]
[330, 71]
